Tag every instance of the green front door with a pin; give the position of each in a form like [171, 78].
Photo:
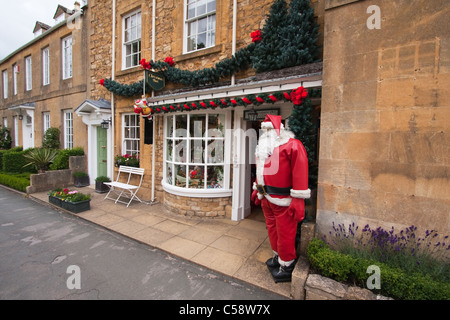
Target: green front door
[102, 152]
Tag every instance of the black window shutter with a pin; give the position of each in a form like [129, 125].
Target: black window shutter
[148, 136]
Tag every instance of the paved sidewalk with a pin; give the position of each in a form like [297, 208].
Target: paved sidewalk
[237, 249]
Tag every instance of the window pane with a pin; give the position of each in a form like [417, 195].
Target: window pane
[201, 41]
[216, 125]
[192, 44]
[169, 150]
[169, 126]
[215, 152]
[180, 151]
[192, 28]
[169, 175]
[180, 176]
[197, 126]
[202, 24]
[201, 7]
[197, 151]
[181, 126]
[211, 5]
[196, 177]
[215, 177]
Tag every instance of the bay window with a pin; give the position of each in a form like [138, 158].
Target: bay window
[195, 152]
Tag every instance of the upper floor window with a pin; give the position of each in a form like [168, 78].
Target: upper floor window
[67, 57]
[200, 24]
[28, 74]
[15, 78]
[5, 84]
[131, 54]
[46, 66]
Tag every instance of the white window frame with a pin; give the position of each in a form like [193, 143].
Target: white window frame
[16, 131]
[131, 132]
[5, 84]
[28, 74]
[66, 52]
[68, 129]
[15, 79]
[46, 121]
[191, 24]
[170, 164]
[46, 66]
[130, 38]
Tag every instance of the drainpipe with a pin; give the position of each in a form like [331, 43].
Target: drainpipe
[153, 93]
[233, 46]
[113, 76]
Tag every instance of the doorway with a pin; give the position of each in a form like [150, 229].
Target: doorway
[102, 152]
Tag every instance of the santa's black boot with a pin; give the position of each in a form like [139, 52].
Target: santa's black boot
[283, 273]
[273, 263]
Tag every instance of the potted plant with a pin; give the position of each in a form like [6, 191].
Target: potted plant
[100, 187]
[72, 201]
[80, 179]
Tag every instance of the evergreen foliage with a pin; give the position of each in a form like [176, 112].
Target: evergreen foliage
[51, 138]
[289, 38]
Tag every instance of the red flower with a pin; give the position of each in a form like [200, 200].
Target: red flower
[145, 65]
[193, 174]
[256, 36]
[66, 191]
[298, 95]
[170, 61]
[102, 82]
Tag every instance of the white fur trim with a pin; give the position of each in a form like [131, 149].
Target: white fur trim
[282, 202]
[260, 196]
[285, 263]
[267, 125]
[301, 194]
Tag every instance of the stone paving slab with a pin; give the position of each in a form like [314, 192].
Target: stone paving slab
[234, 248]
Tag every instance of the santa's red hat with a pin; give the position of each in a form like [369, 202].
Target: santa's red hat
[272, 122]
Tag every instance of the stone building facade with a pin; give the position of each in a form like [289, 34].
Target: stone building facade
[44, 80]
[384, 147]
[163, 30]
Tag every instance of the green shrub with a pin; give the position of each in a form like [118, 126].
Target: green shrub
[103, 179]
[15, 162]
[395, 282]
[16, 181]
[61, 161]
[51, 138]
[80, 174]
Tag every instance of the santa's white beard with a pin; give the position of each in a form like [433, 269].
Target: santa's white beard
[270, 140]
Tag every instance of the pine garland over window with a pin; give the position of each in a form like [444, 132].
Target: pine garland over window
[288, 39]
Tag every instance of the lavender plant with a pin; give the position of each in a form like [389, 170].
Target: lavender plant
[428, 254]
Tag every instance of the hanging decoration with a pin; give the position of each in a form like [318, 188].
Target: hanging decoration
[296, 96]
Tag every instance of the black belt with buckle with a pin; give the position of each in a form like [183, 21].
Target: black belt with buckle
[273, 190]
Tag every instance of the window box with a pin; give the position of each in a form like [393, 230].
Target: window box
[77, 207]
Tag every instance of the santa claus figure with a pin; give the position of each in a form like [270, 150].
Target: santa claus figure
[281, 187]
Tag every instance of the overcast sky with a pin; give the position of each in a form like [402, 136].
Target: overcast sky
[18, 18]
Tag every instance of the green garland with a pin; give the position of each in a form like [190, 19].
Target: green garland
[288, 39]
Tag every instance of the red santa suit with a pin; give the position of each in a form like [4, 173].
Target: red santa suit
[281, 186]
